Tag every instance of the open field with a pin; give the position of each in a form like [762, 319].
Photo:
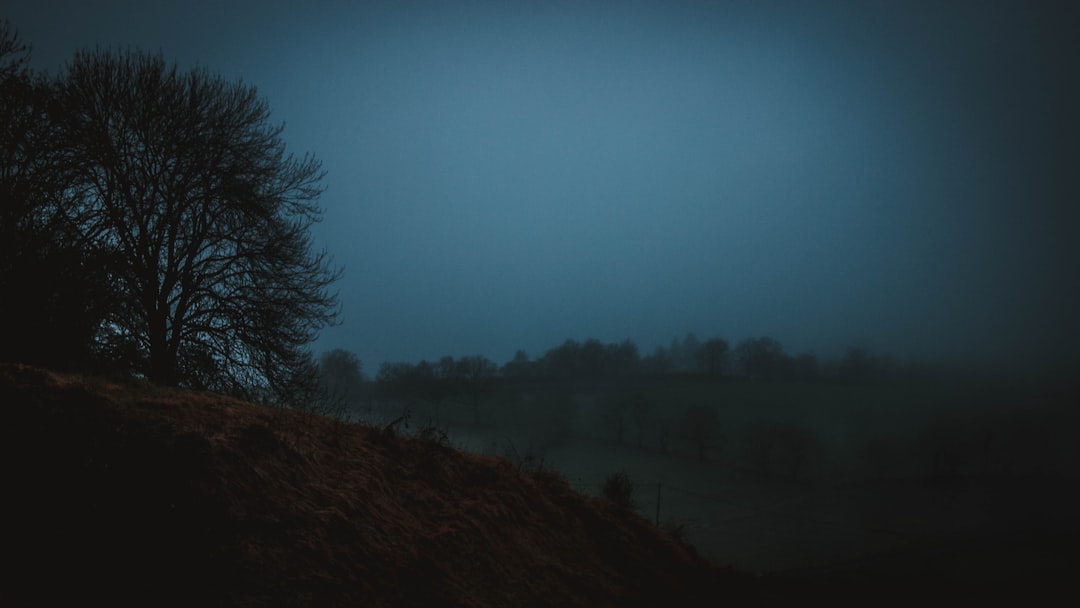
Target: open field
[937, 479]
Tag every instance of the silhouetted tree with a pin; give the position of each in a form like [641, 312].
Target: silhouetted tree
[519, 367]
[181, 175]
[615, 411]
[761, 357]
[341, 377]
[432, 383]
[712, 356]
[701, 427]
[621, 359]
[563, 361]
[684, 353]
[591, 359]
[611, 414]
[53, 292]
[476, 376]
[643, 415]
[659, 362]
[395, 380]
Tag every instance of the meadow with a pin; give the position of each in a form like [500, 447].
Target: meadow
[934, 477]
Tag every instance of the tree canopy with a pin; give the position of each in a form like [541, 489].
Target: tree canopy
[178, 194]
[53, 290]
[181, 175]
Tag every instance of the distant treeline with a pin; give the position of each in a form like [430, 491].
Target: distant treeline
[761, 358]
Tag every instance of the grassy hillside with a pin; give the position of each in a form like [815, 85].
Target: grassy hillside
[133, 495]
[130, 494]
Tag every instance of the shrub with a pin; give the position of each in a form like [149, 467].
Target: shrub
[677, 531]
[434, 435]
[619, 489]
[532, 460]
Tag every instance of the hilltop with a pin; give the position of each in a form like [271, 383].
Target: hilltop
[120, 491]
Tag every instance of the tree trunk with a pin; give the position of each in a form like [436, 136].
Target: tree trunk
[162, 360]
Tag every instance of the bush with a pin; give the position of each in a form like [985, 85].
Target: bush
[677, 531]
[531, 460]
[619, 489]
[432, 434]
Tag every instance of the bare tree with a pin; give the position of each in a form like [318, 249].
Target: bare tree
[182, 176]
[14, 53]
[476, 374]
[701, 427]
[760, 357]
[643, 415]
[52, 291]
[341, 379]
[712, 356]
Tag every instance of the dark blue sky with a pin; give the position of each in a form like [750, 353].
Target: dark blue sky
[507, 175]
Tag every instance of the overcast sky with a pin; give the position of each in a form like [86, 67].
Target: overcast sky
[506, 175]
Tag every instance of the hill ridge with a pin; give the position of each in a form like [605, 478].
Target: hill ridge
[134, 493]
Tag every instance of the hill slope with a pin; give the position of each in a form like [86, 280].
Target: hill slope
[133, 494]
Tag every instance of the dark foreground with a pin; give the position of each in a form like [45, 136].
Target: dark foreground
[132, 495]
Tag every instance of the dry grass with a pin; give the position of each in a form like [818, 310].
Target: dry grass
[133, 494]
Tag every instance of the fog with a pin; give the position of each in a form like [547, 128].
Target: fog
[561, 178]
[507, 177]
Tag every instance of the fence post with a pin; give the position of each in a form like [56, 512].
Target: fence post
[658, 484]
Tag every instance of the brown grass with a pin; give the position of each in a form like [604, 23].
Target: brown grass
[126, 493]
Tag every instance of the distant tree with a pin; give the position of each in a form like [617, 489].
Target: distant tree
[621, 359]
[591, 359]
[611, 415]
[448, 373]
[659, 362]
[519, 367]
[684, 353]
[180, 175]
[700, 426]
[435, 382]
[761, 357]
[644, 417]
[712, 356]
[341, 376]
[396, 380]
[622, 413]
[476, 375]
[563, 361]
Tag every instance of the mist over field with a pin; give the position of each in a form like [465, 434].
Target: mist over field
[508, 177]
[795, 281]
